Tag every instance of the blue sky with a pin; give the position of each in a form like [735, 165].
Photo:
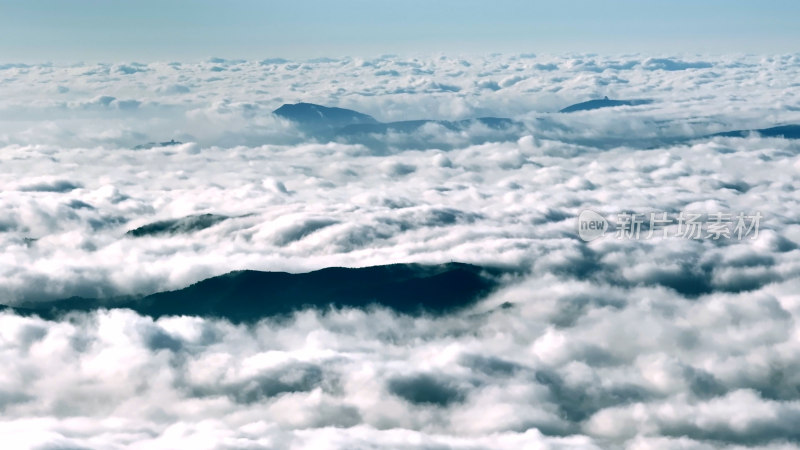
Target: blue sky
[109, 30]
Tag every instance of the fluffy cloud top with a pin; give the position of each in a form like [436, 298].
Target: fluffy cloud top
[616, 343]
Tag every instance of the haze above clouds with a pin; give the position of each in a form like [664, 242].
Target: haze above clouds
[659, 343]
[89, 30]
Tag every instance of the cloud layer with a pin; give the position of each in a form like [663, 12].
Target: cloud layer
[617, 343]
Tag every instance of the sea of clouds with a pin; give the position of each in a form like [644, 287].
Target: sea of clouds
[616, 343]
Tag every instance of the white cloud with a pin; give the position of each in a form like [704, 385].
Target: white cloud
[660, 343]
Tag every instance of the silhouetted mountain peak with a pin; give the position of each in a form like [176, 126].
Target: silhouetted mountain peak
[150, 145]
[315, 116]
[186, 224]
[249, 296]
[605, 102]
[784, 131]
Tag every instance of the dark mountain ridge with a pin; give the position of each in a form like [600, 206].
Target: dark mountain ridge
[248, 296]
[603, 103]
[353, 126]
[784, 131]
[318, 117]
[347, 122]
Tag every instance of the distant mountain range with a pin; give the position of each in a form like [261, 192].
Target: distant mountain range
[177, 226]
[150, 145]
[346, 122]
[784, 131]
[341, 121]
[248, 296]
[318, 117]
[603, 103]
[325, 122]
